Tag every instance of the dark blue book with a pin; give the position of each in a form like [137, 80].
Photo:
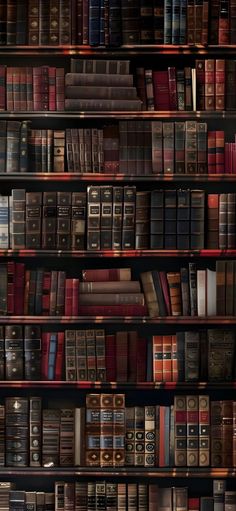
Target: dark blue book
[175, 29]
[102, 23]
[52, 356]
[94, 22]
[167, 21]
[183, 22]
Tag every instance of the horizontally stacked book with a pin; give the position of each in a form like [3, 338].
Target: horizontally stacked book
[100, 85]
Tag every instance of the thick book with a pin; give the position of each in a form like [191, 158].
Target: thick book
[109, 274]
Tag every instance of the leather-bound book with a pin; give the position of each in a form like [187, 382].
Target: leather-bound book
[210, 84]
[192, 431]
[230, 500]
[24, 136]
[128, 223]
[94, 17]
[158, 21]
[11, 276]
[21, 22]
[49, 220]
[91, 354]
[201, 293]
[204, 430]
[220, 152]
[70, 355]
[220, 355]
[119, 430]
[98, 275]
[231, 220]
[81, 355]
[180, 414]
[149, 435]
[60, 89]
[175, 293]
[232, 22]
[115, 23]
[166, 358]
[192, 356]
[157, 147]
[139, 434]
[78, 215]
[32, 352]
[117, 215]
[159, 293]
[106, 430]
[157, 219]
[111, 150]
[149, 82]
[175, 26]
[170, 212]
[44, 22]
[65, 26]
[167, 22]
[33, 219]
[3, 24]
[130, 436]
[33, 22]
[60, 294]
[17, 431]
[3, 288]
[234, 434]
[183, 219]
[224, 23]
[191, 147]
[106, 217]
[11, 22]
[200, 83]
[100, 355]
[230, 78]
[121, 356]
[67, 437]
[93, 430]
[220, 84]
[211, 148]
[197, 215]
[172, 88]
[146, 22]
[130, 16]
[18, 218]
[214, 16]
[217, 433]
[110, 343]
[13, 146]
[64, 220]
[4, 222]
[229, 306]
[223, 226]
[188, 88]
[227, 433]
[202, 148]
[3, 142]
[193, 288]
[184, 280]
[150, 293]
[2, 359]
[50, 437]
[213, 221]
[198, 21]
[179, 145]
[161, 90]
[190, 22]
[35, 411]
[93, 218]
[168, 148]
[221, 287]
[59, 151]
[54, 20]
[180, 85]
[14, 353]
[157, 353]
[19, 286]
[142, 220]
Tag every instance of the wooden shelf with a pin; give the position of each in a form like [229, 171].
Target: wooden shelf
[132, 50]
[67, 176]
[120, 472]
[170, 114]
[168, 320]
[83, 385]
[117, 253]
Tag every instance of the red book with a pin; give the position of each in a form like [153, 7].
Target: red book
[46, 293]
[75, 297]
[52, 88]
[37, 84]
[113, 310]
[142, 360]
[220, 84]
[106, 275]
[110, 357]
[2, 87]
[200, 84]
[132, 355]
[19, 289]
[44, 356]
[23, 90]
[165, 290]
[194, 504]
[59, 356]
[224, 24]
[29, 88]
[9, 89]
[161, 90]
[211, 152]
[26, 292]
[172, 88]
[157, 350]
[68, 297]
[220, 152]
[167, 345]
[121, 356]
[228, 168]
[10, 287]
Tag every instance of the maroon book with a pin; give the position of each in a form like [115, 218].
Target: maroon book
[121, 356]
[161, 90]
[132, 355]
[142, 360]
[172, 88]
[113, 310]
[165, 290]
[59, 356]
[37, 83]
[10, 287]
[60, 89]
[75, 297]
[110, 357]
[44, 355]
[68, 297]
[2, 87]
[52, 88]
[46, 293]
[108, 274]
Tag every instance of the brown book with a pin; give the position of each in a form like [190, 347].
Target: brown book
[98, 275]
[202, 148]
[17, 445]
[33, 22]
[157, 147]
[33, 219]
[111, 298]
[200, 84]
[223, 205]
[93, 218]
[180, 415]
[170, 212]
[67, 437]
[231, 220]
[117, 215]
[221, 287]
[191, 147]
[18, 219]
[150, 293]
[142, 220]
[59, 151]
[175, 293]
[14, 353]
[92, 430]
[204, 430]
[179, 147]
[128, 224]
[49, 220]
[230, 77]
[220, 84]
[106, 193]
[63, 228]
[197, 214]
[213, 221]
[35, 417]
[192, 431]
[51, 437]
[106, 430]
[168, 148]
[210, 84]
[78, 220]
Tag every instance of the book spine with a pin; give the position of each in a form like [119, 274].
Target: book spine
[32, 352]
[67, 437]
[35, 411]
[70, 355]
[14, 353]
[81, 356]
[180, 414]
[192, 431]
[93, 429]
[128, 223]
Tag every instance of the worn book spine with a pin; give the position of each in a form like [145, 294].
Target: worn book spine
[193, 288]
[128, 224]
[93, 429]
[93, 218]
[63, 228]
[33, 22]
[17, 431]
[183, 219]
[170, 201]
[70, 355]
[191, 147]
[18, 218]
[106, 193]
[109, 274]
[49, 215]
[157, 219]
[180, 414]
[192, 431]
[50, 436]
[223, 226]
[81, 356]
[32, 352]
[175, 293]
[192, 356]
[213, 221]
[35, 411]
[33, 219]
[67, 437]
[14, 353]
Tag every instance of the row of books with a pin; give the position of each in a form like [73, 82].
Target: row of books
[194, 431]
[191, 291]
[116, 497]
[130, 147]
[118, 218]
[139, 22]
[141, 497]
[207, 86]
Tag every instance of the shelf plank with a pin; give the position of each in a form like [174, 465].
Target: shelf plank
[66, 176]
[184, 472]
[231, 114]
[168, 320]
[82, 385]
[117, 253]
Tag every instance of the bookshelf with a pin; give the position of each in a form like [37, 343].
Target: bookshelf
[144, 392]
